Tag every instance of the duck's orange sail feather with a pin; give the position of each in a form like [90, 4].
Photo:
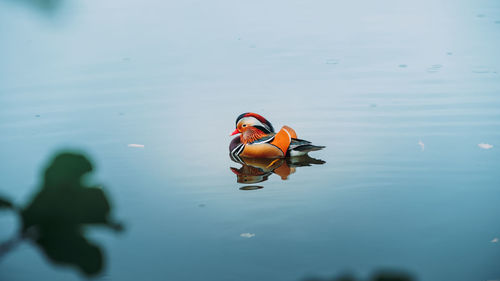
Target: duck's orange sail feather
[283, 138]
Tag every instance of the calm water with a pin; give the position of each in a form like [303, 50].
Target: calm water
[400, 93]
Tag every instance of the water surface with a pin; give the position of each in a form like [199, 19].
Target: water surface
[401, 94]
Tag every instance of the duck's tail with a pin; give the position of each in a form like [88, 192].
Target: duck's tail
[304, 149]
[300, 147]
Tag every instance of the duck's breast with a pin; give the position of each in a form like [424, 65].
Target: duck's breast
[234, 143]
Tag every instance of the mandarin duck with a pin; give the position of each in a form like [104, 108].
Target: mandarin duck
[258, 140]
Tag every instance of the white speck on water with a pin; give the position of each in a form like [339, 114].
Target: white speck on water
[247, 235]
[434, 68]
[495, 240]
[422, 145]
[136, 145]
[485, 145]
[332, 61]
[482, 70]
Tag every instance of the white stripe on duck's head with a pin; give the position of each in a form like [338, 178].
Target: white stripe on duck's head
[252, 121]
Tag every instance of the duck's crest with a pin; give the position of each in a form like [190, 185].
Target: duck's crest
[258, 117]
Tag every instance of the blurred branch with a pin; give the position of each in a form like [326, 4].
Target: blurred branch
[386, 275]
[8, 245]
[5, 204]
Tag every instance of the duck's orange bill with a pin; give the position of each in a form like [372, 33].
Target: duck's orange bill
[235, 132]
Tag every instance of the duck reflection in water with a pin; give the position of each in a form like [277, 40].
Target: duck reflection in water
[255, 170]
[55, 219]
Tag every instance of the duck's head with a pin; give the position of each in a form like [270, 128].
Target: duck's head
[252, 127]
[252, 122]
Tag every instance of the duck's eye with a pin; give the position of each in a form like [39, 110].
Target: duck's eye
[244, 125]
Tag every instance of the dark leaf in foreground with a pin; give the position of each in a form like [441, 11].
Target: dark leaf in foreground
[56, 216]
[68, 245]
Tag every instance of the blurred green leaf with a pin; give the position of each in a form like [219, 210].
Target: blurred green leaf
[61, 209]
[67, 245]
